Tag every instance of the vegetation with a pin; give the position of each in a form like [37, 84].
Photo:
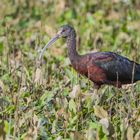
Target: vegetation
[48, 100]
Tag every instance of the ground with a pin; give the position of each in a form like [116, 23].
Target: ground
[47, 99]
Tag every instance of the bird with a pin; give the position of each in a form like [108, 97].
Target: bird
[102, 68]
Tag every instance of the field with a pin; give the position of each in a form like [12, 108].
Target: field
[48, 99]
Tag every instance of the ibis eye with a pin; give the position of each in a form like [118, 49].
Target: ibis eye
[63, 30]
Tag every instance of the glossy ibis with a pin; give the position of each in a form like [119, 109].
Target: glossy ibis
[100, 67]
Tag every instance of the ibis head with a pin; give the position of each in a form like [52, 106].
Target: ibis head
[65, 31]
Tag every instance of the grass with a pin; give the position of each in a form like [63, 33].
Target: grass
[48, 99]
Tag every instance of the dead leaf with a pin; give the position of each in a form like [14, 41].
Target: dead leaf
[1, 86]
[91, 134]
[137, 136]
[77, 136]
[100, 112]
[104, 122]
[113, 15]
[38, 76]
[29, 137]
[133, 25]
[75, 92]
[72, 106]
[2, 131]
[105, 125]
[130, 133]
[59, 138]
[54, 127]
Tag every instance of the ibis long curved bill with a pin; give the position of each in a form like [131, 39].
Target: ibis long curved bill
[49, 44]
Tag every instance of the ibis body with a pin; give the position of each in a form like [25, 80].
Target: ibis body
[100, 67]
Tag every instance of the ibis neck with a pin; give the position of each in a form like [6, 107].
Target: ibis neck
[71, 44]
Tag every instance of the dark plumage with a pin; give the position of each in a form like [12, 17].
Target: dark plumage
[100, 67]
